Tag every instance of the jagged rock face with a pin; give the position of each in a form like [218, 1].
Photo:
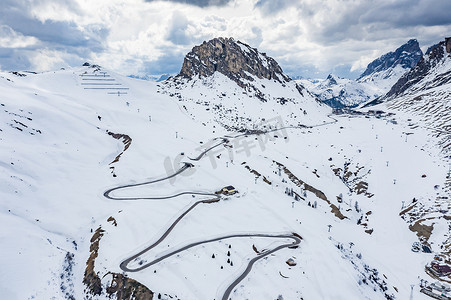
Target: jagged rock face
[407, 56]
[330, 80]
[448, 45]
[433, 56]
[234, 59]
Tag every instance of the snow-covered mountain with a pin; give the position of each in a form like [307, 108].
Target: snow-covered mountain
[425, 92]
[376, 80]
[228, 82]
[156, 78]
[108, 190]
[341, 92]
[387, 69]
[422, 97]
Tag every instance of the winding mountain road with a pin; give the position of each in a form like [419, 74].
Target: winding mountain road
[296, 239]
[124, 264]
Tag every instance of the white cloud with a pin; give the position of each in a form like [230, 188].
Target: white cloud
[303, 35]
[12, 39]
[47, 59]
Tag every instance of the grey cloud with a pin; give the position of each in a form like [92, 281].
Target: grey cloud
[257, 39]
[64, 36]
[215, 22]
[411, 13]
[273, 6]
[177, 32]
[170, 63]
[366, 18]
[14, 60]
[199, 3]
[56, 33]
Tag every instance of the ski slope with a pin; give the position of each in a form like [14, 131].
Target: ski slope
[57, 163]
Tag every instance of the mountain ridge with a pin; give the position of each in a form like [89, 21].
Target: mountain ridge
[376, 80]
[434, 56]
[407, 55]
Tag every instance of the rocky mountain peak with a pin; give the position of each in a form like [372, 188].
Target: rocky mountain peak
[406, 56]
[234, 59]
[434, 55]
[330, 80]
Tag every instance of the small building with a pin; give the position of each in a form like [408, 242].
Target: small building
[437, 290]
[228, 190]
[291, 262]
[439, 270]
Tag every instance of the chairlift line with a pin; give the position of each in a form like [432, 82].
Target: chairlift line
[105, 88]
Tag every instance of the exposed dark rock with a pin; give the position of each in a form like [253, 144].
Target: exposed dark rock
[407, 56]
[128, 289]
[330, 80]
[120, 287]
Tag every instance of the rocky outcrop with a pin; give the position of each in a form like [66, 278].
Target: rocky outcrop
[241, 88]
[406, 56]
[126, 140]
[118, 286]
[234, 59]
[448, 44]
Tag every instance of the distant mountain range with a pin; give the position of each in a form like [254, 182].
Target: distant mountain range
[375, 81]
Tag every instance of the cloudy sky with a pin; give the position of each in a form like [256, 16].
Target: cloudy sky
[307, 37]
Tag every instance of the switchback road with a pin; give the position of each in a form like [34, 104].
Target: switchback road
[296, 239]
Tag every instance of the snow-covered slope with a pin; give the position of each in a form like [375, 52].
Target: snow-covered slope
[218, 100]
[341, 92]
[423, 98]
[56, 160]
[425, 92]
[70, 135]
[229, 83]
